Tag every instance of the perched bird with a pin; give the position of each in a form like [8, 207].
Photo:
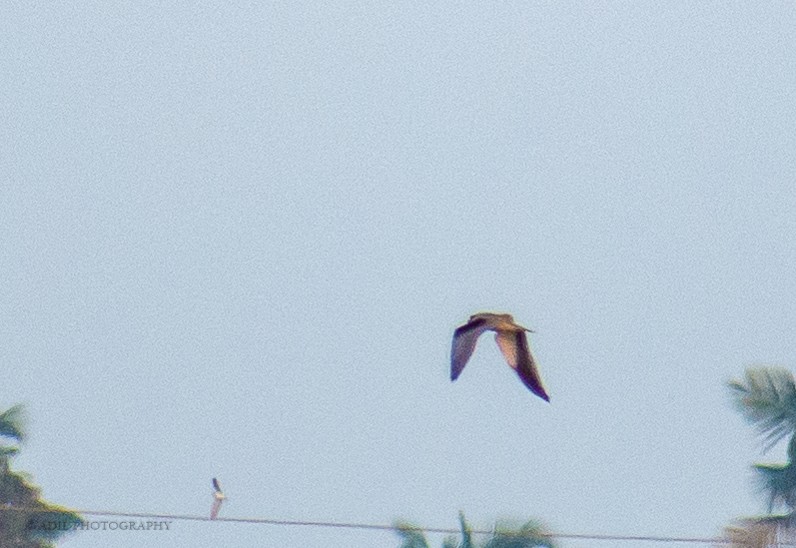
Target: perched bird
[510, 338]
[218, 498]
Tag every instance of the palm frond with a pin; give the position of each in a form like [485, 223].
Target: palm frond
[779, 482]
[8, 451]
[530, 535]
[411, 535]
[767, 398]
[467, 533]
[505, 535]
[12, 423]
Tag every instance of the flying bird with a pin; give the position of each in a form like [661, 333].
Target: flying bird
[511, 339]
[218, 498]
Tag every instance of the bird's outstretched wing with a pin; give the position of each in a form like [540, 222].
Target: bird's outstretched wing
[464, 339]
[216, 486]
[514, 346]
[216, 507]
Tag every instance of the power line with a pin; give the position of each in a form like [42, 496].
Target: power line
[381, 527]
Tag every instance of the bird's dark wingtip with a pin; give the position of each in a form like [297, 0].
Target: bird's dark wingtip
[542, 395]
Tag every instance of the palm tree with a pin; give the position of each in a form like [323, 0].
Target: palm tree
[767, 398]
[530, 535]
[26, 521]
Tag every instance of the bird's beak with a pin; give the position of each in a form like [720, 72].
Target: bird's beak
[529, 330]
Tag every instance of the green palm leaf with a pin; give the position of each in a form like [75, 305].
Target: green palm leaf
[779, 482]
[467, 533]
[12, 423]
[767, 398]
[411, 536]
[530, 535]
[6, 452]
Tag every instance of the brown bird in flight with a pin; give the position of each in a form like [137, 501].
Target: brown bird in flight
[512, 341]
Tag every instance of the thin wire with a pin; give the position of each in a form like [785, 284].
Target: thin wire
[380, 527]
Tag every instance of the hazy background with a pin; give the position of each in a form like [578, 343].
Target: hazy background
[236, 241]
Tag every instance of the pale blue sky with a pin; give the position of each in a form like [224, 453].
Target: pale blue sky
[236, 241]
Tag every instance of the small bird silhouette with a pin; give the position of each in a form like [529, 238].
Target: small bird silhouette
[218, 498]
[512, 341]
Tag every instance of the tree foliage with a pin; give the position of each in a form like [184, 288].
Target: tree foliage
[26, 521]
[529, 535]
[767, 398]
